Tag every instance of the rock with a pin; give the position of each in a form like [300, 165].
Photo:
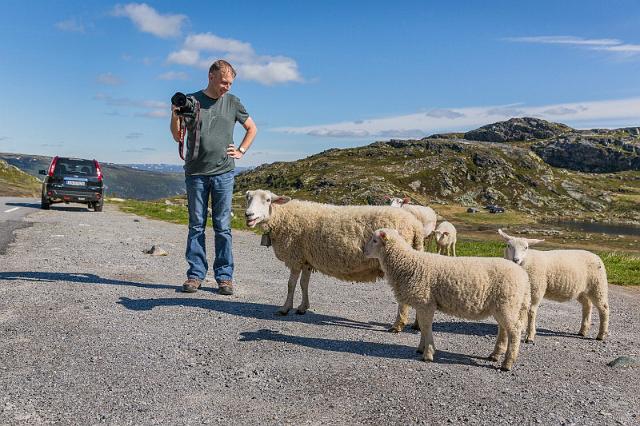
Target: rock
[624, 362]
[168, 202]
[473, 210]
[156, 251]
[518, 129]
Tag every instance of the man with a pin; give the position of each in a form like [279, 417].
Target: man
[209, 165]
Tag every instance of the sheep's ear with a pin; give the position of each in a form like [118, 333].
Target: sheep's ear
[280, 199]
[533, 241]
[405, 200]
[445, 233]
[383, 236]
[503, 235]
[387, 198]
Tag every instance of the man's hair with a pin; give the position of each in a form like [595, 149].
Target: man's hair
[222, 66]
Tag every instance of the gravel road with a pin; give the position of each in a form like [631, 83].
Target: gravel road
[93, 330]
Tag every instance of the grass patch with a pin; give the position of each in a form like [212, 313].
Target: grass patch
[623, 269]
[175, 213]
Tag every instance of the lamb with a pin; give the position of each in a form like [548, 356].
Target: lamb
[446, 237]
[467, 287]
[424, 214]
[562, 275]
[310, 236]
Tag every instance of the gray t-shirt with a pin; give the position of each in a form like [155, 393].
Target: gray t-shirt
[217, 120]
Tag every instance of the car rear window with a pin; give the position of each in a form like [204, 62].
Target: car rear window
[69, 166]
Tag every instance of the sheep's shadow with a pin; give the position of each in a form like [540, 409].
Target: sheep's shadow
[80, 278]
[260, 311]
[457, 327]
[371, 349]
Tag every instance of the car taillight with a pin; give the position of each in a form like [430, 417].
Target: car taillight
[52, 167]
[98, 170]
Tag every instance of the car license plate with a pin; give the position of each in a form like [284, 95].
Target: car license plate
[74, 182]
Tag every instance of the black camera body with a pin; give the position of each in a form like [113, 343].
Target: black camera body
[185, 105]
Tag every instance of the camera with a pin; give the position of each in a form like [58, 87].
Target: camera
[185, 105]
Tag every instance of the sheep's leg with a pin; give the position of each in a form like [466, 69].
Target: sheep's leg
[401, 319]
[454, 250]
[304, 284]
[586, 314]
[427, 346]
[513, 348]
[531, 326]
[501, 344]
[293, 280]
[603, 313]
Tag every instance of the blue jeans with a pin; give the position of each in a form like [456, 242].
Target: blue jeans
[220, 187]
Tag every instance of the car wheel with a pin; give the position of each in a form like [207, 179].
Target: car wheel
[97, 206]
[44, 204]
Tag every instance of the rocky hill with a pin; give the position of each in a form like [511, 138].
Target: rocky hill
[539, 172]
[121, 181]
[15, 182]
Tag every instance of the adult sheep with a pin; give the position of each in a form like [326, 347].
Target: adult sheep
[562, 275]
[310, 236]
[467, 287]
[424, 214]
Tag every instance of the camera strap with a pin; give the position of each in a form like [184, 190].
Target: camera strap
[183, 131]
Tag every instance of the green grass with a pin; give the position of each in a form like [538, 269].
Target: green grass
[174, 213]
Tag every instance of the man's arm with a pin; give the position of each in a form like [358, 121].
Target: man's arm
[174, 126]
[251, 128]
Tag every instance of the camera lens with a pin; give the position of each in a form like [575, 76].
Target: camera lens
[179, 100]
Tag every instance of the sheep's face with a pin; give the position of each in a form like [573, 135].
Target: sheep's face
[440, 236]
[517, 248]
[396, 202]
[373, 247]
[259, 206]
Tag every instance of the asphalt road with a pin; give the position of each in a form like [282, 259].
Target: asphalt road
[93, 330]
[12, 212]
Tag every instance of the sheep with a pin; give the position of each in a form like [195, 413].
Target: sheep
[446, 237]
[424, 214]
[310, 236]
[467, 287]
[562, 275]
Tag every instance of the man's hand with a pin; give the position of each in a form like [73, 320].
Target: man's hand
[233, 152]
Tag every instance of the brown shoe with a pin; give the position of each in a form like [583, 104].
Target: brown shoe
[225, 287]
[191, 285]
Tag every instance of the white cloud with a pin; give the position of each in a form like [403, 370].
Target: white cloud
[580, 114]
[108, 79]
[153, 109]
[70, 25]
[148, 20]
[602, 44]
[134, 135]
[200, 50]
[174, 75]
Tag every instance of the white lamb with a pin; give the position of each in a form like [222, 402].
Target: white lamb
[446, 237]
[310, 236]
[426, 215]
[467, 287]
[562, 275]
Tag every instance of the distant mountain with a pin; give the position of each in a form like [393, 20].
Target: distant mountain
[547, 169]
[169, 168]
[120, 181]
[15, 182]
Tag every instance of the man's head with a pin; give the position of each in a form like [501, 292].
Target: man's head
[221, 76]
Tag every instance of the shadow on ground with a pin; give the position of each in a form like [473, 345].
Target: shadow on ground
[371, 349]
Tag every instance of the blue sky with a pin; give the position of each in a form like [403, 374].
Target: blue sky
[94, 79]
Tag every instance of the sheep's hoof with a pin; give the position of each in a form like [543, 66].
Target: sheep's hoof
[415, 326]
[493, 357]
[420, 351]
[282, 312]
[427, 358]
[300, 311]
[599, 337]
[505, 367]
[583, 333]
[530, 341]
[395, 329]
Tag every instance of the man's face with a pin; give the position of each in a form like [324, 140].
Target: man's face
[221, 81]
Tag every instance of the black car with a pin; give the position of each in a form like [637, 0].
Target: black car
[72, 180]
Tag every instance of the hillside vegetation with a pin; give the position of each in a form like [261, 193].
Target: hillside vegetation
[16, 183]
